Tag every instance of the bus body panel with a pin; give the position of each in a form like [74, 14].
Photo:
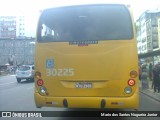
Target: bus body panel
[86, 75]
[93, 63]
[131, 102]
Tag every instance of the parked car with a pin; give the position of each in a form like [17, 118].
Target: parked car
[25, 72]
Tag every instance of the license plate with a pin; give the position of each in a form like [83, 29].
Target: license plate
[83, 85]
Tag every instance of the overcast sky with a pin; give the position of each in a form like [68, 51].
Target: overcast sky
[32, 7]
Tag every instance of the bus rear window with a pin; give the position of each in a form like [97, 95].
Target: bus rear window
[87, 22]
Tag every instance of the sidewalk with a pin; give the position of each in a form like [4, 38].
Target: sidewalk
[150, 92]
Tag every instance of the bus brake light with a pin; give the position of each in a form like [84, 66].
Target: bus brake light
[40, 82]
[131, 82]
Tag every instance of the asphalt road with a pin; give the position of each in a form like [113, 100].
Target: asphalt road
[19, 97]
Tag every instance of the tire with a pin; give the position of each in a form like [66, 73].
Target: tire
[18, 80]
[32, 79]
[37, 106]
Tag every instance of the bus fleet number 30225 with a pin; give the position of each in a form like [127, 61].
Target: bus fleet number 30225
[60, 72]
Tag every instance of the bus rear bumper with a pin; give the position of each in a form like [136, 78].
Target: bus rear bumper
[131, 102]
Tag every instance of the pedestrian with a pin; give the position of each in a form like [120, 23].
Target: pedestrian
[139, 71]
[144, 76]
[150, 71]
[156, 78]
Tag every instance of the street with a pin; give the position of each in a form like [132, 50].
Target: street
[20, 97]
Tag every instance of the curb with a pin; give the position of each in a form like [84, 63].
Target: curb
[146, 92]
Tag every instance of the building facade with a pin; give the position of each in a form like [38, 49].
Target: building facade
[16, 51]
[20, 32]
[147, 32]
[17, 26]
[7, 26]
[17, 38]
[148, 36]
[159, 30]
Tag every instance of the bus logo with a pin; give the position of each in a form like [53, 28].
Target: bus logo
[49, 63]
[6, 114]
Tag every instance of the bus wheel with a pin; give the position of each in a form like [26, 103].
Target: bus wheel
[38, 106]
[18, 80]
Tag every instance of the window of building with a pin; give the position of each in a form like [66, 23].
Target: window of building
[155, 37]
[143, 40]
[154, 30]
[155, 44]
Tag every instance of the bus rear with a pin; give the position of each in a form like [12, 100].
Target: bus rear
[86, 57]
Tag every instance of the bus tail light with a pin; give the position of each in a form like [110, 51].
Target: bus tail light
[43, 90]
[128, 90]
[131, 82]
[133, 74]
[38, 75]
[40, 82]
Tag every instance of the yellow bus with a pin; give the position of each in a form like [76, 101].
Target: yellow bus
[86, 57]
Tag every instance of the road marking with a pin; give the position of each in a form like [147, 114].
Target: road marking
[7, 83]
